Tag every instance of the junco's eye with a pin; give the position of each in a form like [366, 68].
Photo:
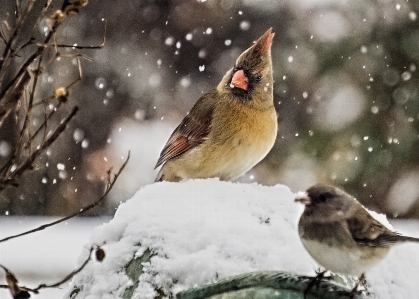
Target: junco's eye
[322, 198]
[258, 78]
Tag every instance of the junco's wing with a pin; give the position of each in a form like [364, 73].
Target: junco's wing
[192, 131]
[367, 231]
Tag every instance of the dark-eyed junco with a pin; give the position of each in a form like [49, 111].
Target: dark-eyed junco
[340, 234]
[231, 127]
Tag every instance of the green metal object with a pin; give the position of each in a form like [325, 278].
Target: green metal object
[255, 285]
[268, 285]
[134, 270]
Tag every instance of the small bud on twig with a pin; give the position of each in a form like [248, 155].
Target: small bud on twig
[58, 16]
[100, 254]
[61, 94]
[80, 3]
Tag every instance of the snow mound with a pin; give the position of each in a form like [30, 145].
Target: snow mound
[201, 231]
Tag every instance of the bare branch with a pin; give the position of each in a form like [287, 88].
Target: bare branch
[110, 183]
[3, 37]
[17, 8]
[22, 69]
[50, 139]
[19, 144]
[102, 44]
[22, 292]
[61, 100]
[15, 95]
[15, 98]
[17, 291]
[8, 49]
[15, 175]
[68, 277]
[41, 15]
[3, 114]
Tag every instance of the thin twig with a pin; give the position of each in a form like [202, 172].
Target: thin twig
[31, 159]
[12, 285]
[81, 47]
[4, 171]
[102, 44]
[14, 96]
[17, 8]
[22, 69]
[8, 49]
[45, 286]
[49, 115]
[50, 139]
[41, 15]
[44, 124]
[25, 44]
[109, 185]
[3, 37]
[68, 277]
[8, 52]
[30, 105]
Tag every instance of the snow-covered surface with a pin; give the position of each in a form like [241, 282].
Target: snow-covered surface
[202, 230]
[46, 256]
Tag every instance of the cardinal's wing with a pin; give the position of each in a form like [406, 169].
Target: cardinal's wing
[193, 130]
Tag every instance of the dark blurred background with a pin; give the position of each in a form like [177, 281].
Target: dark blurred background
[346, 93]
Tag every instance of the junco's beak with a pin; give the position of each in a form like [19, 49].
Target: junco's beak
[303, 198]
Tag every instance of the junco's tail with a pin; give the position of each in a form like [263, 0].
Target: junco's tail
[385, 240]
[408, 239]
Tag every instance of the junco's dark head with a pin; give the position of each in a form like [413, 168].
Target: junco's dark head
[325, 203]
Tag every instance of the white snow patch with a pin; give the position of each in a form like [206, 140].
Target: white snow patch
[204, 230]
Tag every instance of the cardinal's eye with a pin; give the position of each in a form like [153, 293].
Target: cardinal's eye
[258, 78]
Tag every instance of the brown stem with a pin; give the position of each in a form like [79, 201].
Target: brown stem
[8, 49]
[109, 185]
[30, 160]
[68, 277]
[22, 69]
[42, 286]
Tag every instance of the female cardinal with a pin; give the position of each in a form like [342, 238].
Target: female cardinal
[231, 127]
